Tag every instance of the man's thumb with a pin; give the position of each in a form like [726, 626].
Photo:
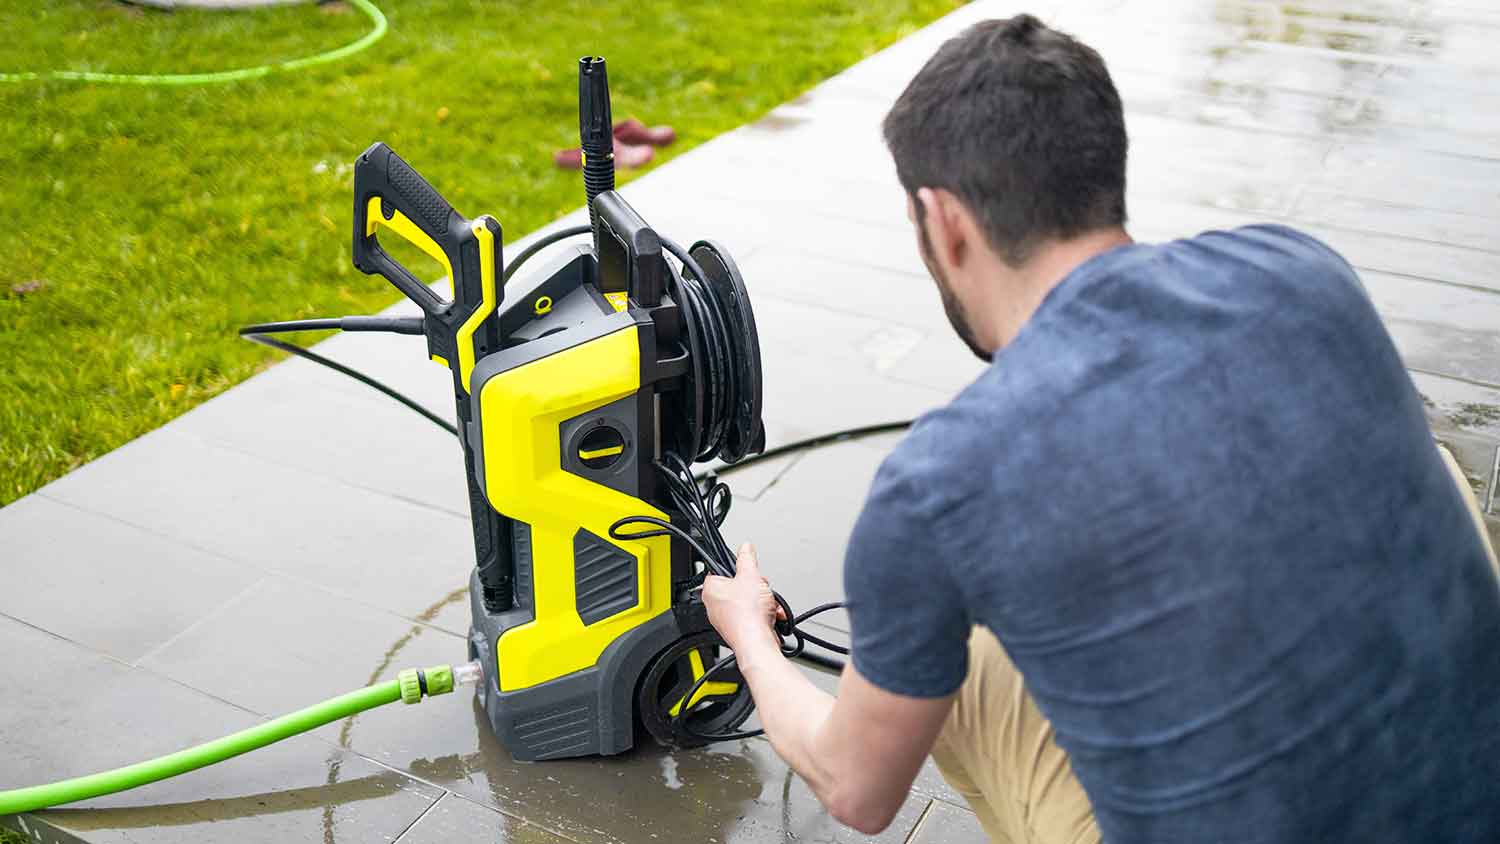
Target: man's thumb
[745, 563]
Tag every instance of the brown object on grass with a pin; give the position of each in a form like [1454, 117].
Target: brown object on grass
[633, 131]
[626, 155]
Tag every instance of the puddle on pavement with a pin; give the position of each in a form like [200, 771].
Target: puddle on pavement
[329, 800]
[732, 791]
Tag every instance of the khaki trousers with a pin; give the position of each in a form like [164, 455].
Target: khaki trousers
[997, 749]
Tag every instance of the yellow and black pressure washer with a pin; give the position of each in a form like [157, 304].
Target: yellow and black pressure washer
[583, 397]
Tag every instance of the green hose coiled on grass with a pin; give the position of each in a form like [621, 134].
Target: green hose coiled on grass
[410, 686]
[236, 75]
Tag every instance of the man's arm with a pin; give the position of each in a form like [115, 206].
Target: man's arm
[860, 751]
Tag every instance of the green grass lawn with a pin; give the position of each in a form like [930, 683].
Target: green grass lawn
[8, 837]
[142, 225]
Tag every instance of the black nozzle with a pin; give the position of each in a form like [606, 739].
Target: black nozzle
[595, 133]
[595, 126]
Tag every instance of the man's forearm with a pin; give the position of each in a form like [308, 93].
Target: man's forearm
[792, 710]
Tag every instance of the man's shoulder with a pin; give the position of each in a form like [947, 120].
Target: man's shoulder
[961, 447]
[1278, 252]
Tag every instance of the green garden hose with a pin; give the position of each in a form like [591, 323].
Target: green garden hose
[410, 686]
[236, 75]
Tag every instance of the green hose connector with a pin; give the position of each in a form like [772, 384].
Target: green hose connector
[431, 681]
[438, 679]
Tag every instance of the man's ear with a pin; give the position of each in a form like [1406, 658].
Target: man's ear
[950, 226]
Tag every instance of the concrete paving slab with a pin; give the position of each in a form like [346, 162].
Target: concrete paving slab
[1397, 220]
[107, 585]
[1456, 265]
[751, 482]
[294, 420]
[817, 379]
[831, 283]
[1439, 328]
[888, 244]
[313, 643]
[454, 819]
[298, 790]
[1439, 181]
[272, 518]
[946, 823]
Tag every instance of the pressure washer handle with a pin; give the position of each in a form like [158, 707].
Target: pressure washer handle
[389, 194]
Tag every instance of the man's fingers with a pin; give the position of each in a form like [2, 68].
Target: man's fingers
[745, 564]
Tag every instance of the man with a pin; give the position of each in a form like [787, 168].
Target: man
[1240, 596]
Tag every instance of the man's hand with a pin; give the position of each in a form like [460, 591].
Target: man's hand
[742, 609]
[859, 753]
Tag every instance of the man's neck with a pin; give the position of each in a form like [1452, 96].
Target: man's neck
[1047, 268]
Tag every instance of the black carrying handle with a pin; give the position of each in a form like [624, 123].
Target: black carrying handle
[389, 194]
[404, 202]
[630, 256]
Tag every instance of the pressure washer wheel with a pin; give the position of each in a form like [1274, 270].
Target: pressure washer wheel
[720, 706]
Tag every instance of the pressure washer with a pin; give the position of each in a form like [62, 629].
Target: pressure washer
[584, 396]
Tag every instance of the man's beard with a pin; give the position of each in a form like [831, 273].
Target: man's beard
[951, 306]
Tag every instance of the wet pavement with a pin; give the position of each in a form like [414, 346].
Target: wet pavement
[300, 536]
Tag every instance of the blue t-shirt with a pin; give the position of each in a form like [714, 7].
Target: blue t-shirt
[1198, 502]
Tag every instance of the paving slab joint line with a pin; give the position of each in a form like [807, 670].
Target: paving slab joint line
[211, 615]
[776, 478]
[1451, 377]
[1461, 285]
[517, 818]
[418, 819]
[916, 828]
[61, 638]
[291, 577]
[42, 493]
[331, 478]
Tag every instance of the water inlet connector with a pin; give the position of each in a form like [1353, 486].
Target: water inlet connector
[417, 683]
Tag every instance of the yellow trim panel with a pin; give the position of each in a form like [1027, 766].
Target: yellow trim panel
[486, 307]
[523, 409]
[399, 223]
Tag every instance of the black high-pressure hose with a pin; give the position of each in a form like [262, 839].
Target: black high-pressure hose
[393, 325]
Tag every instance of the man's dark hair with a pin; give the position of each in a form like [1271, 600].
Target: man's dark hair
[1023, 124]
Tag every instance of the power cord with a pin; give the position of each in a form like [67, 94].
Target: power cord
[704, 511]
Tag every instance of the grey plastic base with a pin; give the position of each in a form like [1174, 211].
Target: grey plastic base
[586, 713]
